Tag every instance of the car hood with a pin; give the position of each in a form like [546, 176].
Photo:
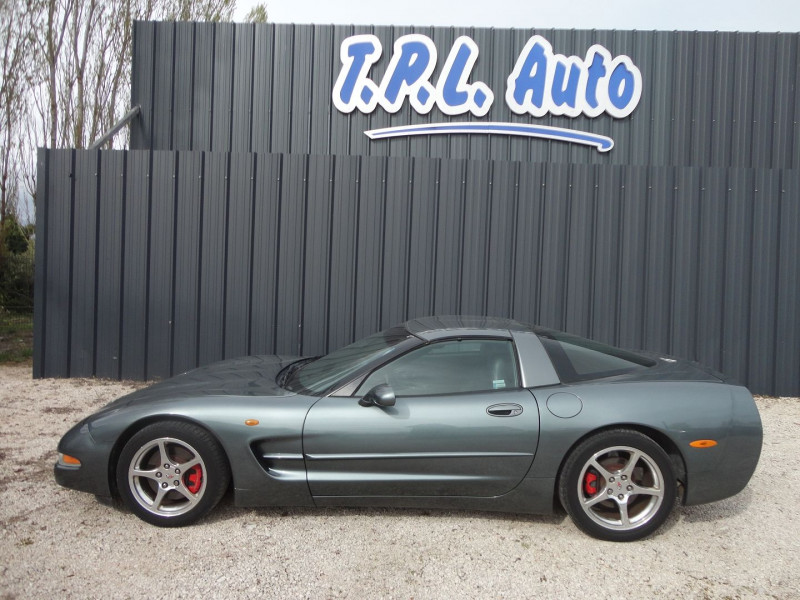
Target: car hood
[247, 376]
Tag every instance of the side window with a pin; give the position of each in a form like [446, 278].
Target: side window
[449, 367]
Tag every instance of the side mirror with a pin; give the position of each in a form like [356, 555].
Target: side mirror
[381, 395]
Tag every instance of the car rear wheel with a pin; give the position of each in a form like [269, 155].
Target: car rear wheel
[172, 473]
[618, 485]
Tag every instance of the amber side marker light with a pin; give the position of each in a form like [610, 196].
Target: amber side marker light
[251, 422]
[703, 443]
[70, 461]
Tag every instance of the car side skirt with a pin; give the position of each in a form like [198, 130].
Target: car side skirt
[531, 496]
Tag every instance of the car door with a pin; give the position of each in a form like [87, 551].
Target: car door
[460, 426]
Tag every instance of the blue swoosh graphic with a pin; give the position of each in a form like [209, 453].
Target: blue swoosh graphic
[601, 142]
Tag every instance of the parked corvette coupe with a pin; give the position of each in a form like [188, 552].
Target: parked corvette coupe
[439, 412]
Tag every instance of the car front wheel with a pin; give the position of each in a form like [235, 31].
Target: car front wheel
[618, 485]
[172, 473]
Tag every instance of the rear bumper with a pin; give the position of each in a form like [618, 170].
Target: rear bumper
[738, 461]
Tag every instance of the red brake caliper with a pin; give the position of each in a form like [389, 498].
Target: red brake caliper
[590, 483]
[194, 479]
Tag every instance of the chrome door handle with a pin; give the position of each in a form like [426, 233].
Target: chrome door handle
[504, 410]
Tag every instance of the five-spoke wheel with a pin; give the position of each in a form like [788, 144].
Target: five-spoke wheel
[172, 473]
[618, 485]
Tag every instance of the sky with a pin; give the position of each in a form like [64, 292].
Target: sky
[666, 15]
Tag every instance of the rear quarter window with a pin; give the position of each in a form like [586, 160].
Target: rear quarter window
[579, 359]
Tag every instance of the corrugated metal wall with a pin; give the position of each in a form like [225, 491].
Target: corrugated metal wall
[709, 98]
[150, 263]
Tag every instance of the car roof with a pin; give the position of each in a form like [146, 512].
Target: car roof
[429, 328]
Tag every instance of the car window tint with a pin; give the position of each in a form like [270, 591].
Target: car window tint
[579, 359]
[449, 367]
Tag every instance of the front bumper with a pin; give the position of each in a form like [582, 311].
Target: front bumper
[92, 475]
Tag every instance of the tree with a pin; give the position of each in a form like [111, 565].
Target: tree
[16, 45]
[257, 14]
[196, 10]
[75, 71]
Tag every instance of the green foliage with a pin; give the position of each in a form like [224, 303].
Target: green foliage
[257, 14]
[16, 336]
[196, 10]
[16, 266]
[13, 236]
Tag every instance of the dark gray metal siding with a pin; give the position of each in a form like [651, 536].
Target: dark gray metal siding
[709, 99]
[150, 263]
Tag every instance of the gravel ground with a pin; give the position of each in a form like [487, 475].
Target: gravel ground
[58, 543]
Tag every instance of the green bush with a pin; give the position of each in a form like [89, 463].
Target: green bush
[14, 239]
[16, 282]
[16, 267]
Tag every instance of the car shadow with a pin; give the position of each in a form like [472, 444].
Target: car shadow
[722, 509]
[226, 510]
[707, 513]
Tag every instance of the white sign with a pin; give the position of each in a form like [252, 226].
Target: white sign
[540, 83]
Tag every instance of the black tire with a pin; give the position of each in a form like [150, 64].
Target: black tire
[618, 485]
[172, 473]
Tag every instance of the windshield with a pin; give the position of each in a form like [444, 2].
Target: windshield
[322, 374]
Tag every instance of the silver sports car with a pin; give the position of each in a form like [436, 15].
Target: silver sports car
[443, 412]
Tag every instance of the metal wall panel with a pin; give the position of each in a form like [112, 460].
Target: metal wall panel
[317, 264]
[291, 254]
[223, 94]
[369, 246]
[83, 264]
[135, 266]
[59, 261]
[183, 79]
[186, 280]
[242, 100]
[344, 240]
[142, 79]
[684, 275]
[160, 270]
[449, 237]
[397, 242]
[717, 99]
[422, 237]
[108, 333]
[264, 258]
[500, 248]
[528, 240]
[163, 261]
[212, 250]
[238, 255]
[476, 239]
[40, 266]
[738, 269]
[605, 253]
[163, 92]
[202, 91]
[786, 349]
